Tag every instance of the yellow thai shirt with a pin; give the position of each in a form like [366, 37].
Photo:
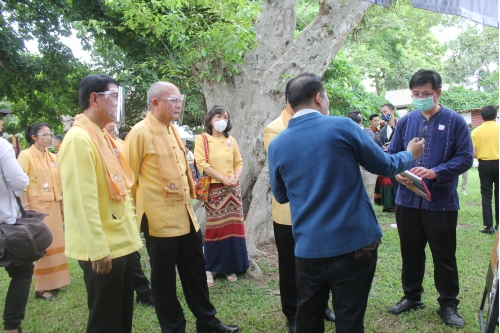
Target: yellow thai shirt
[281, 213]
[485, 141]
[166, 217]
[223, 155]
[95, 224]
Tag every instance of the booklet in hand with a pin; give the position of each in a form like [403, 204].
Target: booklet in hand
[418, 185]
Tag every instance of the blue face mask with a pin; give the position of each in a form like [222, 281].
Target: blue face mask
[386, 117]
[423, 104]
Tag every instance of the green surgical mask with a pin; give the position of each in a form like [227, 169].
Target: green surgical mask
[423, 104]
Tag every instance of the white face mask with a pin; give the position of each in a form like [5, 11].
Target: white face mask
[220, 125]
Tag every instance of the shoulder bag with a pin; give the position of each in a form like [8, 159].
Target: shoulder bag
[202, 185]
[26, 240]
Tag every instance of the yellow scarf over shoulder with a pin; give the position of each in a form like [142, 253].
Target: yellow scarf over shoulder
[170, 173]
[48, 176]
[119, 176]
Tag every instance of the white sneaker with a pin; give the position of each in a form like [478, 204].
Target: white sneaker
[394, 226]
[463, 192]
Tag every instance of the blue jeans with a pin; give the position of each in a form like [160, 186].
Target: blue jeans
[348, 278]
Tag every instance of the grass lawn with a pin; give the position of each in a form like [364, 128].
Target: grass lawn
[255, 306]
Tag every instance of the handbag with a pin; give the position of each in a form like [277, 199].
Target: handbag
[202, 185]
[27, 239]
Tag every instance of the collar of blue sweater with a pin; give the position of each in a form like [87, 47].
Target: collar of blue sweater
[304, 112]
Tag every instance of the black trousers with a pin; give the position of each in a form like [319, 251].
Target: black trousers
[110, 297]
[348, 278]
[488, 175]
[186, 253]
[285, 244]
[141, 282]
[416, 228]
[17, 295]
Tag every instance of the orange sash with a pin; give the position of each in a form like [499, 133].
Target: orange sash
[171, 177]
[48, 176]
[119, 176]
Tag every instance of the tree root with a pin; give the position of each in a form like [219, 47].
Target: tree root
[254, 270]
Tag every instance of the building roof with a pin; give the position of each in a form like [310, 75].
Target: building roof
[400, 98]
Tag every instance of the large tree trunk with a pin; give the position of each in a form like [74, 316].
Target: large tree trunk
[256, 96]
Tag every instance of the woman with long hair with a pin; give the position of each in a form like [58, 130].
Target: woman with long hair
[225, 245]
[45, 195]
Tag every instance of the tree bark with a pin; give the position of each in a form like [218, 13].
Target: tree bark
[256, 96]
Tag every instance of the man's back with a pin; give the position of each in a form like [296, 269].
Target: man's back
[485, 140]
[324, 185]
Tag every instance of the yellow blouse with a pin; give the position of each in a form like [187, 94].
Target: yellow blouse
[28, 165]
[223, 155]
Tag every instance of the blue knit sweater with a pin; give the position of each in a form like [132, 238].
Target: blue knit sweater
[314, 165]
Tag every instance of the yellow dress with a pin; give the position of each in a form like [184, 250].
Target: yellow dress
[51, 272]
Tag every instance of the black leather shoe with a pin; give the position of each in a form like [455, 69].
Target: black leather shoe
[488, 230]
[405, 305]
[450, 316]
[221, 328]
[329, 315]
[292, 327]
[148, 301]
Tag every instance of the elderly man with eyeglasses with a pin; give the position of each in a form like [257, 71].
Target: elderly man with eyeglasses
[162, 191]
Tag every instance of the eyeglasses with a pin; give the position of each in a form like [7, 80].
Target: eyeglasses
[423, 96]
[113, 93]
[44, 135]
[174, 99]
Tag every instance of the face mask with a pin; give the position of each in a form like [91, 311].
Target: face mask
[220, 125]
[386, 117]
[423, 104]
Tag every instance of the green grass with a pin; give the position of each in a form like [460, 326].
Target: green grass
[254, 306]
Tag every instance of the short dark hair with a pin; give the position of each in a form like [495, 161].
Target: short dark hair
[123, 135]
[424, 76]
[389, 105]
[373, 116]
[93, 83]
[59, 137]
[355, 116]
[32, 130]
[489, 113]
[217, 109]
[304, 88]
[287, 88]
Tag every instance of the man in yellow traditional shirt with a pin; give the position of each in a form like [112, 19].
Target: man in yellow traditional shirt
[162, 190]
[485, 142]
[100, 228]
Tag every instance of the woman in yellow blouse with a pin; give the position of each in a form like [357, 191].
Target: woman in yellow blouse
[45, 196]
[225, 245]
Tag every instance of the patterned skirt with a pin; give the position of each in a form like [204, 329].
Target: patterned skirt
[387, 192]
[52, 271]
[225, 245]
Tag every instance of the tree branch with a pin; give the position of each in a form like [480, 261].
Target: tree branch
[275, 28]
[318, 43]
[12, 71]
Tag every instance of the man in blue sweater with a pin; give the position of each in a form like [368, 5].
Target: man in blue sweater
[334, 225]
[447, 155]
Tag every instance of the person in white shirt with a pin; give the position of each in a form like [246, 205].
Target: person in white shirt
[13, 181]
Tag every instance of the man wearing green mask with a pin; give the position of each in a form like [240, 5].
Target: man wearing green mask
[448, 153]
